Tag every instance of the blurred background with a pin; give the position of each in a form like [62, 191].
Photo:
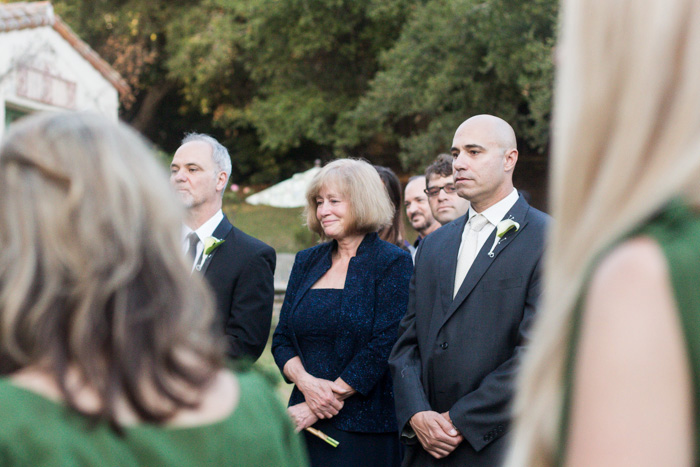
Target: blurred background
[284, 83]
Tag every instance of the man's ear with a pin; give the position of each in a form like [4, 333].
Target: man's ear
[510, 159]
[221, 181]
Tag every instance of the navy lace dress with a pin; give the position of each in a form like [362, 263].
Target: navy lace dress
[348, 334]
[317, 329]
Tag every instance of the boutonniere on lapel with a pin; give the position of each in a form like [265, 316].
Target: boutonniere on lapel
[503, 228]
[210, 244]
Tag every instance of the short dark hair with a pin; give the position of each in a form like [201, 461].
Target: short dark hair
[442, 166]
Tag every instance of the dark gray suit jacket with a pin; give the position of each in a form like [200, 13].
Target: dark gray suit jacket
[241, 273]
[461, 355]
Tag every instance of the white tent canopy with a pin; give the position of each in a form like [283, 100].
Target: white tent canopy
[290, 193]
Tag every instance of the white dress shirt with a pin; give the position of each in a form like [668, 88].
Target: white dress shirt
[204, 231]
[494, 215]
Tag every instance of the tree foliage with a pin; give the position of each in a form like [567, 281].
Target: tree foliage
[282, 82]
[457, 58]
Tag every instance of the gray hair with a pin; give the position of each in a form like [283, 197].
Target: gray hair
[219, 153]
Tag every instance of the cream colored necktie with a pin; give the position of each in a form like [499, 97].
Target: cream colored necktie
[469, 250]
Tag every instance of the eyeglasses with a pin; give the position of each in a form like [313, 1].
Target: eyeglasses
[435, 190]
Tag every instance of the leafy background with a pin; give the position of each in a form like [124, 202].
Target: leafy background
[285, 82]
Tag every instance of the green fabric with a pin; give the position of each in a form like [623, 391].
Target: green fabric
[677, 232]
[35, 431]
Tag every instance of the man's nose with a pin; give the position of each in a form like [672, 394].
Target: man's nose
[178, 176]
[459, 162]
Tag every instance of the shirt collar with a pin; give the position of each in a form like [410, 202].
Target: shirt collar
[498, 211]
[207, 229]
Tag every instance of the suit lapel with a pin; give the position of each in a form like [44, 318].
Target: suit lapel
[483, 262]
[446, 273]
[222, 231]
[317, 270]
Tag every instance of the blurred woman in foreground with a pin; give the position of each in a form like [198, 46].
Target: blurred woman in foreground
[613, 373]
[340, 318]
[106, 336]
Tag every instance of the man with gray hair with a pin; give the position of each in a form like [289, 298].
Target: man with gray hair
[238, 267]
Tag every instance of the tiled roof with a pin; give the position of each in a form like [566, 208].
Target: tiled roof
[25, 15]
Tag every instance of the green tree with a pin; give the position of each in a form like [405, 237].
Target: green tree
[457, 58]
[283, 82]
[281, 71]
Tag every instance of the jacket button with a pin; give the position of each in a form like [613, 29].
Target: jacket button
[444, 345]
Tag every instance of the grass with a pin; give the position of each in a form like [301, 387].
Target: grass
[281, 228]
[266, 364]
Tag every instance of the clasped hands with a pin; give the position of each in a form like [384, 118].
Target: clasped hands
[324, 399]
[436, 433]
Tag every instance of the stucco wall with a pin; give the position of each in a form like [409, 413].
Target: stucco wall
[42, 51]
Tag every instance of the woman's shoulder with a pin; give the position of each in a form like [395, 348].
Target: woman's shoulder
[678, 222]
[231, 396]
[257, 398]
[218, 402]
[253, 380]
[675, 235]
[390, 254]
[626, 280]
[376, 246]
[638, 259]
[629, 352]
[669, 242]
[16, 402]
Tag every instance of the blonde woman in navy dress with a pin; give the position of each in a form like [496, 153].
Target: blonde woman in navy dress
[340, 318]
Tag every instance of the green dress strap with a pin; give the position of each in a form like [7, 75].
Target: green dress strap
[677, 231]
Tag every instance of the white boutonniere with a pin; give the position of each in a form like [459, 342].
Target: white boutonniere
[503, 228]
[210, 244]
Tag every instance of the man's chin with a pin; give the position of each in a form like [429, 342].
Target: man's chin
[442, 220]
[186, 201]
[418, 225]
[465, 193]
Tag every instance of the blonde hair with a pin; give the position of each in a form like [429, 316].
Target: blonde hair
[91, 278]
[626, 141]
[360, 184]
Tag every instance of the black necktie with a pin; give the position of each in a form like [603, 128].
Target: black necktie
[194, 240]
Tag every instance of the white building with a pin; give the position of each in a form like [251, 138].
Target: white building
[44, 65]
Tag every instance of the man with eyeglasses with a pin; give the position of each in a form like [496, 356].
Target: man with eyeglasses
[445, 204]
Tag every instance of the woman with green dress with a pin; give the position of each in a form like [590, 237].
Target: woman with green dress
[106, 344]
[613, 373]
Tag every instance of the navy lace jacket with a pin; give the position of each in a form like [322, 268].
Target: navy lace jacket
[376, 296]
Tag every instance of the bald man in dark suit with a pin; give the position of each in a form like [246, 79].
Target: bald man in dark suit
[472, 299]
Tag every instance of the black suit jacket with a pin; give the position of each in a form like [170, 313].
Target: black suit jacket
[461, 355]
[241, 273]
